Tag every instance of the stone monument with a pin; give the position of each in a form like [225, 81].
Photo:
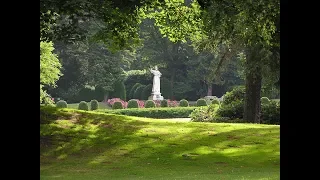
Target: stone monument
[155, 94]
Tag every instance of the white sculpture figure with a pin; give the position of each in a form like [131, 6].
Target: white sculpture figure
[156, 95]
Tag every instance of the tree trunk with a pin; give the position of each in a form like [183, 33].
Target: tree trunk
[209, 93]
[252, 104]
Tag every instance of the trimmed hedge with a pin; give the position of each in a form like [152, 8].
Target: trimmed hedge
[132, 103]
[83, 106]
[62, 104]
[117, 105]
[160, 113]
[94, 104]
[201, 102]
[183, 103]
[149, 104]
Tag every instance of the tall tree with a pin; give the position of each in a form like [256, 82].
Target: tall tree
[49, 69]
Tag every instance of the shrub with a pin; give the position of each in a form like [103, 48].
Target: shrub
[138, 92]
[62, 104]
[132, 103]
[117, 105]
[160, 113]
[164, 103]
[150, 104]
[200, 115]
[119, 90]
[215, 101]
[264, 100]
[110, 102]
[201, 102]
[94, 104]
[172, 103]
[166, 89]
[234, 95]
[233, 110]
[204, 113]
[134, 87]
[83, 106]
[270, 113]
[183, 103]
[146, 92]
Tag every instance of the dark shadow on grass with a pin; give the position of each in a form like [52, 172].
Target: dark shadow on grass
[75, 137]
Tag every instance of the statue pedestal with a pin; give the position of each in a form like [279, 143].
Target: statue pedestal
[156, 96]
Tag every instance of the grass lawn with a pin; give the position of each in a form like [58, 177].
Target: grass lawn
[90, 145]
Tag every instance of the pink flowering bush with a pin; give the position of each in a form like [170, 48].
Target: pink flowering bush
[110, 102]
[172, 103]
[157, 102]
[140, 104]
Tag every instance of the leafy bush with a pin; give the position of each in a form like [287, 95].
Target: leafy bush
[119, 90]
[62, 104]
[179, 112]
[150, 104]
[265, 100]
[94, 104]
[133, 89]
[110, 102]
[183, 103]
[233, 110]
[117, 105]
[200, 114]
[164, 103]
[146, 92]
[172, 103]
[83, 106]
[201, 102]
[132, 103]
[138, 92]
[215, 101]
[234, 95]
[270, 113]
[204, 113]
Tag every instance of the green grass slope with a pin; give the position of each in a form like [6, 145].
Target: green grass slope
[90, 145]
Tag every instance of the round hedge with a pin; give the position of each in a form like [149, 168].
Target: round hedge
[83, 106]
[132, 103]
[62, 104]
[215, 101]
[201, 102]
[164, 103]
[265, 100]
[117, 105]
[94, 104]
[149, 104]
[183, 103]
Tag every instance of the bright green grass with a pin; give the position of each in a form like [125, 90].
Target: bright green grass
[91, 145]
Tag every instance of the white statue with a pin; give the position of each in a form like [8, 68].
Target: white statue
[156, 84]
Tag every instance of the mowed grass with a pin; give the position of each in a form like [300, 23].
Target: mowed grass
[90, 145]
